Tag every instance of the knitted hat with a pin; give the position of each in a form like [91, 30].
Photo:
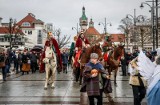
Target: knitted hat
[94, 56]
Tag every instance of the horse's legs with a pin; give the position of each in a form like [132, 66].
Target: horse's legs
[109, 71]
[47, 75]
[53, 76]
[81, 71]
[115, 75]
[77, 73]
[80, 81]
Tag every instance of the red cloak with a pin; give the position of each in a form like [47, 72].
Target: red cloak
[79, 42]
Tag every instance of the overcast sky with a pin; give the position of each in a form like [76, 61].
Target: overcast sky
[65, 14]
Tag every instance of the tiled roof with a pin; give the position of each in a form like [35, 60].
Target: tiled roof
[91, 31]
[38, 21]
[29, 18]
[117, 37]
[5, 30]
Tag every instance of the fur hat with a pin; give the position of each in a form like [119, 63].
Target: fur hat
[94, 56]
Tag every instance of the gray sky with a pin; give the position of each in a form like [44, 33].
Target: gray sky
[65, 14]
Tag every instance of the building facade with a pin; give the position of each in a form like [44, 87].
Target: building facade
[11, 35]
[34, 30]
[92, 34]
[140, 37]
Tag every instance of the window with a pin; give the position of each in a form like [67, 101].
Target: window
[26, 24]
[39, 39]
[2, 39]
[29, 32]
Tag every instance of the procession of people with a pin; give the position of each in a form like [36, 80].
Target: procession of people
[96, 77]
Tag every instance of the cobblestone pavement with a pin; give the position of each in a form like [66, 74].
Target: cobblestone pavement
[29, 89]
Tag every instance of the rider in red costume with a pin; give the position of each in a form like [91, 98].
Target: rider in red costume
[51, 41]
[82, 42]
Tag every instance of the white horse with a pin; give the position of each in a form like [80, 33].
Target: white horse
[50, 66]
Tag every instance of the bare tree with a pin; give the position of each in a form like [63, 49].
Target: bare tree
[144, 34]
[125, 28]
[62, 40]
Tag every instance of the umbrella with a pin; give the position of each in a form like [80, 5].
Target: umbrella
[21, 48]
[38, 46]
[36, 49]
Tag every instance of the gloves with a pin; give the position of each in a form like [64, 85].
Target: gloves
[94, 75]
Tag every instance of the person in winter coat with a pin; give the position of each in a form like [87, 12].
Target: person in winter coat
[33, 59]
[64, 57]
[93, 79]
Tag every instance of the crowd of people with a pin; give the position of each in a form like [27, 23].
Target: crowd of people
[95, 77]
[22, 61]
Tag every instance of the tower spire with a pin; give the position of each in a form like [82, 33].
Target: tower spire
[91, 23]
[83, 21]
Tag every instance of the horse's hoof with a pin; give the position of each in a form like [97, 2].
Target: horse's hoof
[45, 88]
[52, 87]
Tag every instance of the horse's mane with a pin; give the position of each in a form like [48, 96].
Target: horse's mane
[118, 52]
[93, 49]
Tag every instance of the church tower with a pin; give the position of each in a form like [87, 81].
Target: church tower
[83, 21]
[91, 23]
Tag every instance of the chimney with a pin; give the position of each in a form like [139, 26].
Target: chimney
[1, 21]
[31, 14]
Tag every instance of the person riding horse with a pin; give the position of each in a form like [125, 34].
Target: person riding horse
[51, 41]
[82, 42]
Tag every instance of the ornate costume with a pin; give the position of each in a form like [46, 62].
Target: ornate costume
[53, 43]
[82, 42]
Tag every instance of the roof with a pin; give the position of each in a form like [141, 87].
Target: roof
[38, 21]
[91, 31]
[29, 18]
[5, 30]
[117, 37]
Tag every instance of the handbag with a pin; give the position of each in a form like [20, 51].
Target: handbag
[2, 64]
[137, 81]
[25, 67]
[107, 86]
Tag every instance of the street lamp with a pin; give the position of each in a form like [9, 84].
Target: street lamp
[105, 25]
[155, 19]
[76, 28]
[10, 31]
[135, 20]
[152, 20]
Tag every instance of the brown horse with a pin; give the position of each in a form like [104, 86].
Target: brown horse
[114, 60]
[85, 57]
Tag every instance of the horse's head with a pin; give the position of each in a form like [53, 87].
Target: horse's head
[106, 46]
[97, 49]
[85, 57]
[119, 52]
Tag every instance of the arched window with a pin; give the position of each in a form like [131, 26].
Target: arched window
[26, 24]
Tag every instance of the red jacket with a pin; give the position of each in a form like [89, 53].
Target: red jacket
[79, 42]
